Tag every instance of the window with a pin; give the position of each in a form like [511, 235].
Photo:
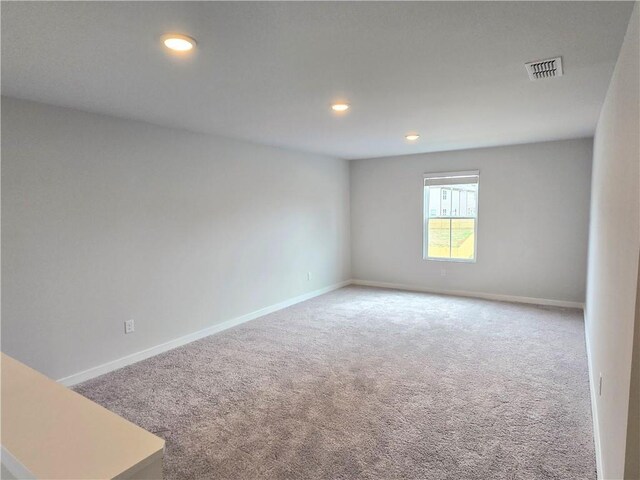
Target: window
[451, 216]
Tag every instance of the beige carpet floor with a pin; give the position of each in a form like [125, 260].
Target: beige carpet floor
[371, 383]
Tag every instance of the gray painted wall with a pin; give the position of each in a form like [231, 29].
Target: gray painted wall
[614, 242]
[632, 455]
[532, 220]
[106, 219]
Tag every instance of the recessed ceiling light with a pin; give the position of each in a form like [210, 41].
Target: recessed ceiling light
[412, 137]
[340, 107]
[178, 42]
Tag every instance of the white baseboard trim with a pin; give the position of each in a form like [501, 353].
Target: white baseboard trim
[594, 409]
[462, 293]
[219, 327]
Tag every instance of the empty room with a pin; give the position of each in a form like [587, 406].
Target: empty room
[320, 240]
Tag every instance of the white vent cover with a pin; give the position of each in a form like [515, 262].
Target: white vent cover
[552, 67]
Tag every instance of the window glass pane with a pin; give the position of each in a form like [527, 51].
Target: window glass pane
[451, 211]
[462, 238]
[434, 201]
[439, 236]
[455, 203]
[446, 202]
[472, 198]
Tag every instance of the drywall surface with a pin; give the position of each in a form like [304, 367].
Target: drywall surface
[532, 220]
[614, 241]
[105, 220]
[632, 460]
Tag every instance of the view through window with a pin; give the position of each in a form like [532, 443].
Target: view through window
[451, 215]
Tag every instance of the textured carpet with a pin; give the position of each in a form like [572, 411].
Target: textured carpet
[371, 383]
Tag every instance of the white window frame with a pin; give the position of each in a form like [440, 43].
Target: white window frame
[425, 216]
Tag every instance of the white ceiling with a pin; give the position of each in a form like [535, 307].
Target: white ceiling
[268, 71]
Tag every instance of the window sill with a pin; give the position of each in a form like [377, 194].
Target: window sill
[449, 260]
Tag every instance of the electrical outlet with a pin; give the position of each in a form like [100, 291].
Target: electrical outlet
[129, 326]
[443, 272]
[600, 386]
[308, 275]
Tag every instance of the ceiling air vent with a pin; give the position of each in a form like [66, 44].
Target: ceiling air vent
[552, 67]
